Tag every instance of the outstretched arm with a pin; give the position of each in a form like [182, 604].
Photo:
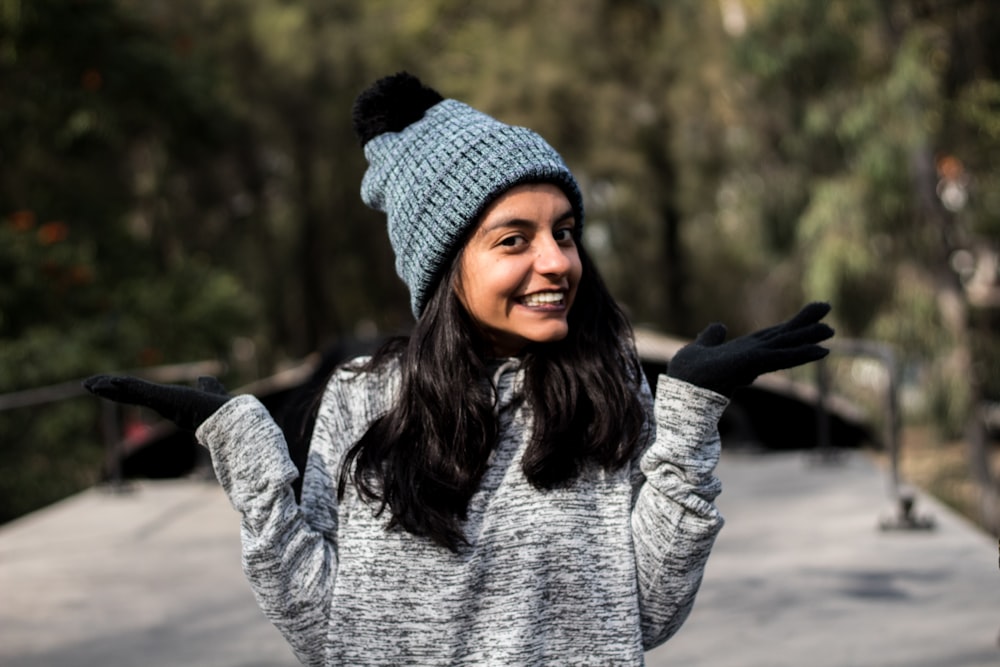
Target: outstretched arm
[674, 520]
[290, 563]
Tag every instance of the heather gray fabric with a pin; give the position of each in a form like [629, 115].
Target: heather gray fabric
[434, 177]
[593, 574]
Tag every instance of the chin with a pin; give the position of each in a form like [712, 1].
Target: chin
[511, 342]
[550, 336]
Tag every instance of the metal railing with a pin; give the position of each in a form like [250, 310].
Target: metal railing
[109, 419]
[906, 517]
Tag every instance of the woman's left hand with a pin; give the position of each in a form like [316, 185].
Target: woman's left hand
[724, 367]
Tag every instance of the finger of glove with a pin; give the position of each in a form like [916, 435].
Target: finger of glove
[170, 401]
[812, 333]
[121, 389]
[782, 359]
[211, 385]
[97, 384]
[810, 314]
[184, 406]
[714, 334]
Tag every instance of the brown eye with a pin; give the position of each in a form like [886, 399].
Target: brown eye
[564, 234]
[512, 241]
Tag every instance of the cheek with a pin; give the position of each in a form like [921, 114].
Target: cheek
[498, 278]
[576, 272]
[479, 286]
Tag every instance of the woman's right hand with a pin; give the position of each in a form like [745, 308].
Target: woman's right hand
[185, 406]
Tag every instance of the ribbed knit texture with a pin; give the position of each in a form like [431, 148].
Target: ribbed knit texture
[435, 177]
[591, 574]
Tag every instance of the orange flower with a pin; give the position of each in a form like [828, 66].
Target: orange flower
[80, 275]
[22, 221]
[91, 80]
[53, 232]
[150, 356]
[183, 45]
[950, 168]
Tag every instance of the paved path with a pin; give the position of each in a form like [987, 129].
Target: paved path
[800, 576]
[148, 578]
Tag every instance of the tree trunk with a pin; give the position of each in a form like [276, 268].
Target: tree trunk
[955, 309]
[953, 302]
[319, 322]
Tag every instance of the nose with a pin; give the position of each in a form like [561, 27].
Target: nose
[552, 258]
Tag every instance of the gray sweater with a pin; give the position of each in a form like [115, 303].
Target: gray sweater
[591, 574]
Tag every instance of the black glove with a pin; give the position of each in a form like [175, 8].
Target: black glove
[184, 406]
[723, 367]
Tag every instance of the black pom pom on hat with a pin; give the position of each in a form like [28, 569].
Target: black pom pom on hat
[390, 104]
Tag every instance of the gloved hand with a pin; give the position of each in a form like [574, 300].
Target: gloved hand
[185, 406]
[724, 367]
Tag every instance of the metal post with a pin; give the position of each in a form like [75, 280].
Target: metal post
[905, 518]
[111, 433]
[825, 451]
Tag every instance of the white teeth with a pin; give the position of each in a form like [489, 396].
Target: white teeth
[543, 299]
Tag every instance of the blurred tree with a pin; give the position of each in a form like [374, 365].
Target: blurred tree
[164, 161]
[291, 71]
[863, 121]
[290, 219]
[96, 117]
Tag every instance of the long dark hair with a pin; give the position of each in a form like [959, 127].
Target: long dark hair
[423, 460]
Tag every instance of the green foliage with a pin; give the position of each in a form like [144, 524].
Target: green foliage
[48, 453]
[846, 259]
[178, 174]
[802, 47]
[979, 105]
[98, 114]
[977, 125]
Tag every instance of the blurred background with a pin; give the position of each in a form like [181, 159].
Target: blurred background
[179, 183]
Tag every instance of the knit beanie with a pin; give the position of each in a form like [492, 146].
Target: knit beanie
[434, 165]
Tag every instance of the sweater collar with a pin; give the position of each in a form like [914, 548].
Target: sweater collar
[507, 377]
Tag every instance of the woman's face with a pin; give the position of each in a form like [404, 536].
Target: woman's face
[520, 269]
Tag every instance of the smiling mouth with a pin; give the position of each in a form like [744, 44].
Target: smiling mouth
[544, 300]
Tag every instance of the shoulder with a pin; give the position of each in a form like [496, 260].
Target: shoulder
[362, 388]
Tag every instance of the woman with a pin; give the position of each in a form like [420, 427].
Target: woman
[499, 487]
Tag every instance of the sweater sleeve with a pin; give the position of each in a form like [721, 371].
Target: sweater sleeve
[674, 520]
[289, 563]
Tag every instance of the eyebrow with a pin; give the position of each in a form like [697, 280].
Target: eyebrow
[520, 222]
